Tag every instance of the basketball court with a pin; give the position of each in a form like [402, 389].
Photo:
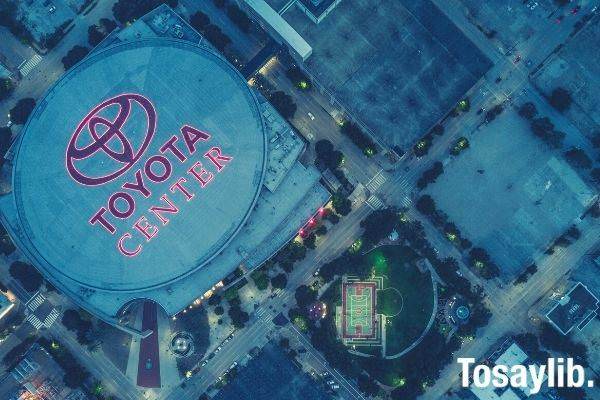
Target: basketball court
[358, 310]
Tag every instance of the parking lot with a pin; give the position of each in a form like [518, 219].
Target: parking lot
[510, 194]
[398, 66]
[510, 22]
[577, 68]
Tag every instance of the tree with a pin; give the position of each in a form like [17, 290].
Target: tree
[333, 218]
[216, 37]
[480, 259]
[321, 230]
[310, 240]
[305, 296]
[95, 35]
[199, 21]
[578, 158]
[284, 104]
[29, 277]
[379, 224]
[21, 111]
[6, 88]
[430, 175]
[426, 205]
[367, 385]
[108, 24]
[279, 281]
[219, 310]
[298, 78]
[341, 204]
[359, 138]
[220, 3]
[543, 128]
[528, 110]
[326, 154]
[561, 99]
[214, 300]
[493, 113]
[239, 18]
[238, 317]
[76, 54]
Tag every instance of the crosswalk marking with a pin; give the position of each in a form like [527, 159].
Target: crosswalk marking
[35, 321]
[406, 202]
[376, 182]
[29, 65]
[375, 203]
[36, 301]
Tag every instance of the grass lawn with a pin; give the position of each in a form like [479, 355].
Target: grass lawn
[407, 295]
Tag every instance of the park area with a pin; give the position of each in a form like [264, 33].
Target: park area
[510, 193]
[407, 296]
[404, 299]
[398, 66]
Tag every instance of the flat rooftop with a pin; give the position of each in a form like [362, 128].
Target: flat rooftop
[397, 66]
[517, 212]
[576, 68]
[575, 308]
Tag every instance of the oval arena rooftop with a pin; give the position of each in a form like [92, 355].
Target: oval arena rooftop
[151, 170]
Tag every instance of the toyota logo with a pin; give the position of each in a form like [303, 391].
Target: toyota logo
[106, 138]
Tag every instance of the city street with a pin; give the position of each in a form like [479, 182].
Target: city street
[510, 305]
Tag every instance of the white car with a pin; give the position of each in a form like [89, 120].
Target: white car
[311, 116]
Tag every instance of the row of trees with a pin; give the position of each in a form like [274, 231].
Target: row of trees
[97, 32]
[21, 110]
[330, 158]
[201, 22]
[479, 259]
[27, 275]
[430, 175]
[426, 206]
[75, 373]
[359, 138]
[73, 56]
[82, 325]
[239, 18]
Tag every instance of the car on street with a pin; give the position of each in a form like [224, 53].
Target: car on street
[311, 116]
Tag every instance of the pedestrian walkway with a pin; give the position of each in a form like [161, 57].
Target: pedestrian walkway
[375, 183]
[27, 66]
[375, 203]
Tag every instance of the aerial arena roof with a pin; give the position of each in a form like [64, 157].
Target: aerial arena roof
[138, 166]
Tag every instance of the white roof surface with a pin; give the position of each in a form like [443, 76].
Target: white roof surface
[280, 25]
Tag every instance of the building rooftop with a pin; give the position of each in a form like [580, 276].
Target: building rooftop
[281, 27]
[575, 309]
[513, 355]
[62, 199]
[251, 208]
